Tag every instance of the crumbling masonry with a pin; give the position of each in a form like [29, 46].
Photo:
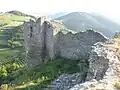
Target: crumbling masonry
[42, 42]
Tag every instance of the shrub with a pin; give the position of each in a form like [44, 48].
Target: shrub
[117, 85]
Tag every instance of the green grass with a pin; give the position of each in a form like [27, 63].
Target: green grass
[117, 85]
[12, 20]
[5, 52]
[43, 75]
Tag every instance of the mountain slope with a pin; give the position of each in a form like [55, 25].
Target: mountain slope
[80, 21]
[106, 22]
[56, 15]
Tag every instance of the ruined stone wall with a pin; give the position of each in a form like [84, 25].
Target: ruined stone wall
[49, 39]
[74, 46]
[103, 72]
[43, 42]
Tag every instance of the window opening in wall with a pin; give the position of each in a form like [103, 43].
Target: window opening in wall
[31, 31]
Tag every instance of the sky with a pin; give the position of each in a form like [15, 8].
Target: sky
[109, 8]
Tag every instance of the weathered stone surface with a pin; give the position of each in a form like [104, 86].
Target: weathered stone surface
[100, 61]
[103, 65]
[65, 81]
[74, 46]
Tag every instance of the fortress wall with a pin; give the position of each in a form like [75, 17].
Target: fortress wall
[57, 44]
[49, 40]
[52, 42]
[74, 46]
[42, 43]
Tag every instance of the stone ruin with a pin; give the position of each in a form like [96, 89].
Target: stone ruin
[43, 42]
[104, 66]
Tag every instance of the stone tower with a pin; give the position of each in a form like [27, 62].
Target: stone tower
[36, 36]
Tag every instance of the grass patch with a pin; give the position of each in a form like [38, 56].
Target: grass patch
[5, 52]
[117, 85]
[12, 20]
[43, 75]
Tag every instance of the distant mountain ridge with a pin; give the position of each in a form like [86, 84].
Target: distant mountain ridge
[81, 21]
[56, 15]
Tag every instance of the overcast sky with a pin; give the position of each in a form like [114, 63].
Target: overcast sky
[109, 8]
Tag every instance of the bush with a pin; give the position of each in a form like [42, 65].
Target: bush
[117, 85]
[8, 67]
[3, 72]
